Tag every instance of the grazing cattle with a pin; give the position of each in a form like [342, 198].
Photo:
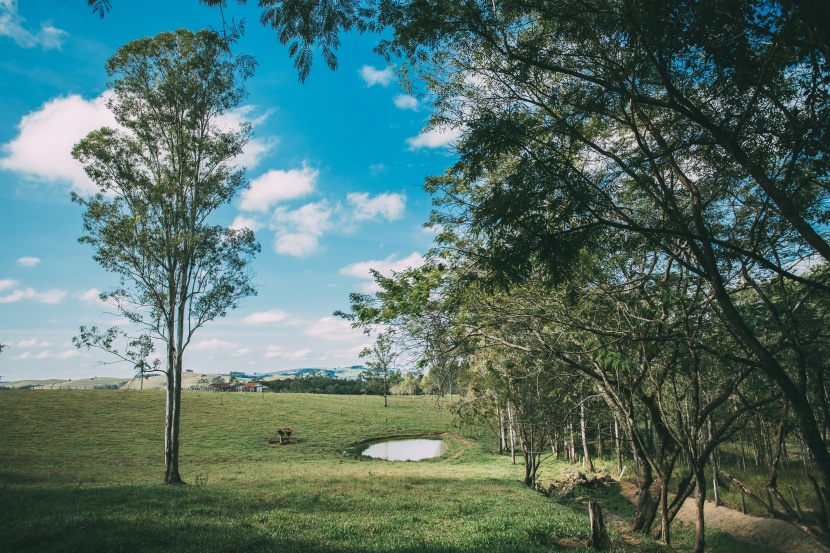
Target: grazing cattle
[285, 434]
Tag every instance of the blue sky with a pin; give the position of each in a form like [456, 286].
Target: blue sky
[336, 168]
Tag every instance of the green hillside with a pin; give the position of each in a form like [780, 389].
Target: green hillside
[82, 471]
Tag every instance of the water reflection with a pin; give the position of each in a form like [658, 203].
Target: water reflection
[406, 450]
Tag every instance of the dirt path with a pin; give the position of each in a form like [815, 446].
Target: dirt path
[772, 533]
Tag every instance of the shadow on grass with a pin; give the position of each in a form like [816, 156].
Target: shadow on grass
[205, 519]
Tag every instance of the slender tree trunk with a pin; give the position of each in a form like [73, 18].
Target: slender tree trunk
[502, 437]
[572, 443]
[665, 521]
[511, 422]
[714, 459]
[617, 444]
[700, 502]
[587, 463]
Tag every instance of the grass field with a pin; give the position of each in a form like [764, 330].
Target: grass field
[81, 471]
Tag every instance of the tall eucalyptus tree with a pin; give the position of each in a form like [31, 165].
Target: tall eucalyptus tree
[161, 175]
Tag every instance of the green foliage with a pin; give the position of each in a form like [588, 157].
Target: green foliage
[317, 383]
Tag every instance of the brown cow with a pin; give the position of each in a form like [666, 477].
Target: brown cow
[285, 434]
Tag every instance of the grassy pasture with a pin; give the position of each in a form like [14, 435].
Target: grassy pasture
[81, 471]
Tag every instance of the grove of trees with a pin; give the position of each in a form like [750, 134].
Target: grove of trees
[636, 219]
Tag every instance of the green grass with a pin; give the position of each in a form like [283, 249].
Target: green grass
[81, 471]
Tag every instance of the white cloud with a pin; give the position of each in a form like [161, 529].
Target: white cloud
[434, 138]
[67, 354]
[349, 353]
[256, 148]
[241, 351]
[405, 101]
[28, 261]
[377, 169]
[11, 25]
[43, 146]
[266, 317]
[372, 76]
[33, 343]
[273, 352]
[333, 328]
[276, 186]
[296, 244]
[385, 267]
[42, 149]
[388, 206]
[49, 296]
[214, 344]
[242, 222]
[299, 231]
[93, 295]
[7, 283]
[29, 355]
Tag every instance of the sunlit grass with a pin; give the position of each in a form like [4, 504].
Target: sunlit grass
[82, 471]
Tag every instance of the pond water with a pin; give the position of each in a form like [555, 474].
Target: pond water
[405, 450]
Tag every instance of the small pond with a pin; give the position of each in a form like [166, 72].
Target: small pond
[402, 450]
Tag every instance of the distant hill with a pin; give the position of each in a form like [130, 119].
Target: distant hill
[159, 381]
[348, 373]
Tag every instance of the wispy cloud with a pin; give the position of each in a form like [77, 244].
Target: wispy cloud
[333, 328]
[372, 76]
[18, 294]
[214, 344]
[405, 101]
[33, 343]
[266, 317]
[11, 25]
[362, 269]
[434, 138]
[279, 352]
[256, 148]
[66, 354]
[28, 261]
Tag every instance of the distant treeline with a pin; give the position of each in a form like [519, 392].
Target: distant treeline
[318, 383]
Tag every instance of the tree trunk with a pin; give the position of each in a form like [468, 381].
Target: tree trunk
[714, 460]
[599, 537]
[665, 521]
[647, 501]
[512, 434]
[617, 444]
[572, 444]
[502, 437]
[700, 501]
[587, 463]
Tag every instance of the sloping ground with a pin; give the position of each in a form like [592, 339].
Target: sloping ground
[81, 384]
[767, 531]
